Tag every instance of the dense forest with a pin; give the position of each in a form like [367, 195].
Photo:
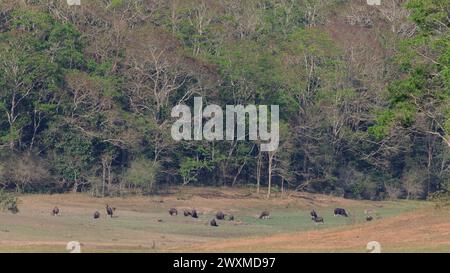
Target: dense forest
[86, 94]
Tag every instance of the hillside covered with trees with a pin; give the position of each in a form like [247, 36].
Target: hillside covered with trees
[86, 94]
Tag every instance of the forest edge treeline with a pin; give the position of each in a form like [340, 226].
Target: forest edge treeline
[86, 93]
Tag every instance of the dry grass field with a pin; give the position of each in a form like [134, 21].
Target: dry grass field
[143, 224]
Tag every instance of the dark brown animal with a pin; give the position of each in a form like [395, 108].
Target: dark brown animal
[313, 214]
[264, 215]
[110, 210]
[220, 215]
[194, 214]
[96, 215]
[369, 218]
[186, 212]
[173, 211]
[318, 219]
[230, 217]
[340, 212]
[55, 211]
[213, 223]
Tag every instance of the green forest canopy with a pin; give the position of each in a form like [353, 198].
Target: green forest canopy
[86, 93]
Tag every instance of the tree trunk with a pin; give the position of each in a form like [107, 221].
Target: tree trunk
[75, 185]
[103, 178]
[258, 172]
[269, 186]
[109, 177]
[174, 15]
[429, 162]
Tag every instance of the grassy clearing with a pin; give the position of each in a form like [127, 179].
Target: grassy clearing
[144, 225]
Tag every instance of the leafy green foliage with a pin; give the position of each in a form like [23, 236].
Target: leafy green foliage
[142, 173]
[8, 202]
[89, 93]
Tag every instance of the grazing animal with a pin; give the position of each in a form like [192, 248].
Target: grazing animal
[230, 217]
[264, 215]
[173, 211]
[213, 223]
[220, 215]
[318, 219]
[110, 210]
[194, 214]
[55, 211]
[369, 218]
[186, 212]
[340, 212]
[96, 215]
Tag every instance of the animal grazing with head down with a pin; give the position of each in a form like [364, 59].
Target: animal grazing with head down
[220, 215]
[340, 212]
[173, 211]
[213, 223]
[264, 215]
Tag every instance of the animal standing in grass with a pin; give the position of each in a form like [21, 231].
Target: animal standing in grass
[230, 217]
[213, 223]
[186, 213]
[194, 214]
[316, 218]
[173, 211]
[264, 215]
[55, 211]
[110, 210]
[340, 212]
[96, 215]
[220, 215]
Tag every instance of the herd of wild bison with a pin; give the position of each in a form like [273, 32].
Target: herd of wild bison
[220, 215]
